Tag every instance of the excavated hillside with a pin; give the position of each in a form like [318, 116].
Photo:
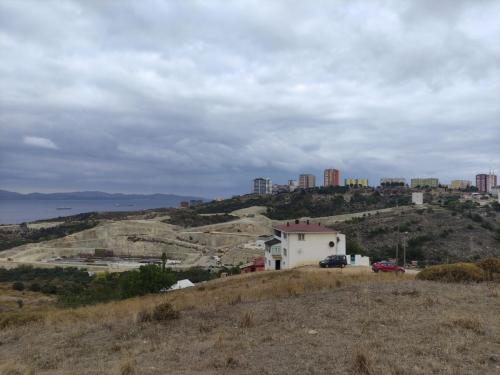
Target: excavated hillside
[152, 237]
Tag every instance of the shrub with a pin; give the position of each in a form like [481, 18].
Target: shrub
[165, 311]
[18, 286]
[491, 268]
[35, 287]
[453, 273]
[162, 312]
[361, 365]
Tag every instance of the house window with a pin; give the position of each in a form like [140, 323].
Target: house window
[284, 252]
[284, 235]
[302, 237]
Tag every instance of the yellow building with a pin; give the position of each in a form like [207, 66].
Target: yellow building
[460, 184]
[424, 182]
[362, 182]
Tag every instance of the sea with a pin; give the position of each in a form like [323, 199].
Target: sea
[26, 210]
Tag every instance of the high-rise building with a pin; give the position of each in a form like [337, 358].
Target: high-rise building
[307, 181]
[460, 184]
[361, 182]
[484, 182]
[262, 186]
[331, 177]
[424, 182]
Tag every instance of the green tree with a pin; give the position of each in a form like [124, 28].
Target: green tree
[354, 247]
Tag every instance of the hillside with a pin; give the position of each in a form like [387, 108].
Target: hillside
[431, 235]
[445, 229]
[313, 202]
[301, 321]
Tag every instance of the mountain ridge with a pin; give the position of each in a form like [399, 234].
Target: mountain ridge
[5, 194]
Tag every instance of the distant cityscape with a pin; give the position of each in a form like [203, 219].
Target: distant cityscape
[485, 183]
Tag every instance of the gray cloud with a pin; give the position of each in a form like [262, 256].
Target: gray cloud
[199, 97]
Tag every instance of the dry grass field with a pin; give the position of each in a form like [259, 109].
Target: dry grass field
[287, 322]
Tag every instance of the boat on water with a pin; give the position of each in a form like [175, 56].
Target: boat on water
[63, 208]
[124, 204]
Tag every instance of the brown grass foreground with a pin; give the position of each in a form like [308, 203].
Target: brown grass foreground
[301, 321]
[231, 290]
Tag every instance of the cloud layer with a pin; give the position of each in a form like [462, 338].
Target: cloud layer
[200, 97]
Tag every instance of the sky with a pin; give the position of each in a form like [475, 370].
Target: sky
[199, 97]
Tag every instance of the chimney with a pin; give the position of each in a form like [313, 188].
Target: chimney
[287, 223]
[319, 224]
[296, 221]
[307, 221]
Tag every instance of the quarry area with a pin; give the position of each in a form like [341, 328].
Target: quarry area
[125, 244]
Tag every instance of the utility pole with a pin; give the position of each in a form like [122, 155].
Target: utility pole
[397, 235]
[163, 261]
[404, 251]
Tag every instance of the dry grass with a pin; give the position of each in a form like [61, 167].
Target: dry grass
[289, 322]
[361, 365]
[247, 320]
[232, 290]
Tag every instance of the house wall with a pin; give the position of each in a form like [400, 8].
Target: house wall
[312, 249]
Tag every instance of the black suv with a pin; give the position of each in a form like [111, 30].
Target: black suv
[334, 261]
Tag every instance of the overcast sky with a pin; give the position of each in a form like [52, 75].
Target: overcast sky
[199, 97]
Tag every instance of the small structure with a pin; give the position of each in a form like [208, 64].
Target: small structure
[417, 198]
[181, 284]
[256, 265]
[302, 243]
[358, 260]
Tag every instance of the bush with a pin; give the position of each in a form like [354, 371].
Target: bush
[165, 311]
[453, 273]
[35, 287]
[18, 286]
[491, 268]
[162, 312]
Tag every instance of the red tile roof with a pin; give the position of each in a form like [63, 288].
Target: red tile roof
[304, 228]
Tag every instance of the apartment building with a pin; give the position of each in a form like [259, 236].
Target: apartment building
[307, 181]
[331, 177]
[424, 182]
[460, 184]
[262, 186]
[361, 182]
[485, 182]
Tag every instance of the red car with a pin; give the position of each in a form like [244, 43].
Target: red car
[386, 266]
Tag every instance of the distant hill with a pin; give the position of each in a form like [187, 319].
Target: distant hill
[79, 195]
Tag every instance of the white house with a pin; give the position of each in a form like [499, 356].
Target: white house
[302, 243]
[417, 198]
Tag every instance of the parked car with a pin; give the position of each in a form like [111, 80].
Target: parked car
[385, 266]
[334, 261]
